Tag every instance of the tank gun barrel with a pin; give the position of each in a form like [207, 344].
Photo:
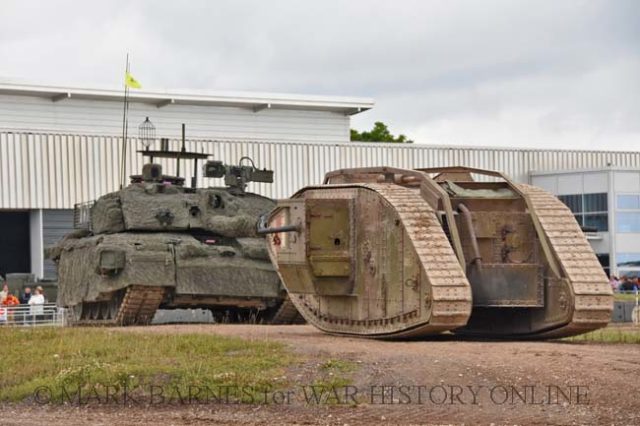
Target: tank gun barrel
[277, 229]
[264, 229]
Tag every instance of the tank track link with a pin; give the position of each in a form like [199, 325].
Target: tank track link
[449, 292]
[591, 293]
[134, 306]
[139, 305]
[287, 313]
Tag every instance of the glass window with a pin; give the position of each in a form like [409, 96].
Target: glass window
[579, 219]
[574, 202]
[628, 264]
[628, 201]
[590, 210]
[597, 220]
[628, 221]
[627, 259]
[595, 202]
[604, 261]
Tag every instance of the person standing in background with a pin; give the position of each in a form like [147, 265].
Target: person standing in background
[24, 300]
[26, 295]
[614, 282]
[10, 301]
[36, 303]
[5, 292]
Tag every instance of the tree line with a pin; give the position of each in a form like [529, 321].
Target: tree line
[379, 133]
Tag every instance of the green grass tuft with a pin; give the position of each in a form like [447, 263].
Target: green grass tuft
[99, 358]
[624, 297]
[609, 335]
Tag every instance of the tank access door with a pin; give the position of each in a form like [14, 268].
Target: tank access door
[504, 268]
[311, 239]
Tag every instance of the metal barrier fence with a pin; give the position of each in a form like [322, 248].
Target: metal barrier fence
[33, 315]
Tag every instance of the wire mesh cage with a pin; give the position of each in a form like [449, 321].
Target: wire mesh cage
[147, 133]
[82, 215]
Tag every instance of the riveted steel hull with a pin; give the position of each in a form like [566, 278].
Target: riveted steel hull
[393, 253]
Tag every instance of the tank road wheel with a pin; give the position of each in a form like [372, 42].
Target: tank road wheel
[103, 308]
[114, 305]
[78, 312]
[86, 311]
[221, 316]
[94, 311]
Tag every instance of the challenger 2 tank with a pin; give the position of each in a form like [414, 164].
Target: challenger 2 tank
[157, 244]
[387, 253]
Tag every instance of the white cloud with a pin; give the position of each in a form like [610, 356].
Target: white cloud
[509, 73]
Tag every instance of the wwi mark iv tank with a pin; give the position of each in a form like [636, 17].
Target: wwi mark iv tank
[384, 252]
[158, 244]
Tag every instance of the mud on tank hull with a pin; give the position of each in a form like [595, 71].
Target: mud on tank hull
[393, 253]
[155, 246]
[124, 278]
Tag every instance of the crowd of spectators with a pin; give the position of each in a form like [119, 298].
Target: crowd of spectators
[624, 283]
[34, 301]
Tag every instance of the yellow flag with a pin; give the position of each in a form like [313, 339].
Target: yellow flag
[131, 82]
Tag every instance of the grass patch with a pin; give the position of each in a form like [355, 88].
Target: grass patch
[624, 297]
[90, 358]
[609, 335]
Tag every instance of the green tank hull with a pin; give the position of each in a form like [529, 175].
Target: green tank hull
[158, 245]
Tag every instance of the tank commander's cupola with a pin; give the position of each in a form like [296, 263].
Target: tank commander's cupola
[152, 172]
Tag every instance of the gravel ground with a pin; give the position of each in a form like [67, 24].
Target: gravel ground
[441, 381]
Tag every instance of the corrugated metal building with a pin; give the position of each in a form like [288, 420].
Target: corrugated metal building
[52, 158]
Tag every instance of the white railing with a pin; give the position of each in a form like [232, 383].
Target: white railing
[32, 315]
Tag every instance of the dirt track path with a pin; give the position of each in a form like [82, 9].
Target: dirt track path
[433, 372]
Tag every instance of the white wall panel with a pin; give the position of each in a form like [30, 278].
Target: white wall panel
[626, 181]
[548, 183]
[595, 183]
[627, 242]
[570, 184]
[84, 116]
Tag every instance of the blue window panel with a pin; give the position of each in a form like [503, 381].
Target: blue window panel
[574, 202]
[627, 259]
[628, 201]
[628, 222]
[600, 221]
[595, 202]
[579, 219]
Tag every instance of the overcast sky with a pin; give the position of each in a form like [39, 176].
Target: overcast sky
[562, 74]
